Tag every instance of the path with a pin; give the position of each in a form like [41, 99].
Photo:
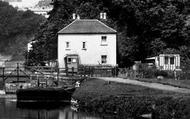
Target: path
[147, 84]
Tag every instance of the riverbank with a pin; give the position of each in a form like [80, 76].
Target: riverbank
[131, 101]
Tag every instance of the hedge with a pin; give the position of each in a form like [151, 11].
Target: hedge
[134, 106]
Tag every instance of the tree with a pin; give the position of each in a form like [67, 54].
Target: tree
[17, 28]
[45, 46]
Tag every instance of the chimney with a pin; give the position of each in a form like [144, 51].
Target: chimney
[103, 15]
[74, 16]
[78, 17]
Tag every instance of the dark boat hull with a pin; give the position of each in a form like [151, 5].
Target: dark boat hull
[41, 105]
[44, 94]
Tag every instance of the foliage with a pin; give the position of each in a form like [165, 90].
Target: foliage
[45, 46]
[153, 72]
[161, 73]
[17, 28]
[44, 3]
[145, 28]
[134, 106]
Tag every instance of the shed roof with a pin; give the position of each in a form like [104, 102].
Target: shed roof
[87, 26]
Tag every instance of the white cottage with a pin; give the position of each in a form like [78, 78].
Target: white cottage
[86, 42]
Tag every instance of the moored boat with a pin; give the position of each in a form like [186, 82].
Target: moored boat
[45, 94]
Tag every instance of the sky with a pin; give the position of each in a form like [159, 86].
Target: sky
[25, 3]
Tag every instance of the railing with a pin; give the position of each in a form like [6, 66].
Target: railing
[45, 76]
[153, 73]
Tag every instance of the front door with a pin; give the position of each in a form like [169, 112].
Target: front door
[72, 62]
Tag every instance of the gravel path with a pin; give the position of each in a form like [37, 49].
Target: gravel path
[147, 84]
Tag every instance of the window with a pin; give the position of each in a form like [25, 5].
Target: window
[74, 60]
[83, 45]
[171, 60]
[104, 40]
[158, 59]
[69, 60]
[104, 59]
[166, 59]
[67, 45]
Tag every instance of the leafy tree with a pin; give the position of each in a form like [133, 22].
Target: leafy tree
[45, 46]
[44, 3]
[17, 28]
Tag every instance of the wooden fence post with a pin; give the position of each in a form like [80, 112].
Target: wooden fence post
[84, 72]
[112, 71]
[101, 72]
[91, 71]
[17, 72]
[3, 77]
[38, 81]
[115, 71]
[57, 75]
[66, 69]
[72, 71]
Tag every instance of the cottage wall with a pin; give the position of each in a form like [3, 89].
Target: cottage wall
[94, 48]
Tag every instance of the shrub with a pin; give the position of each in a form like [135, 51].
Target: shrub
[148, 72]
[161, 73]
[134, 106]
[152, 72]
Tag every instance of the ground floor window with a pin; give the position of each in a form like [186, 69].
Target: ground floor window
[171, 60]
[104, 59]
[166, 59]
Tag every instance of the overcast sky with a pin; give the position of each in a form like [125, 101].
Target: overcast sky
[25, 3]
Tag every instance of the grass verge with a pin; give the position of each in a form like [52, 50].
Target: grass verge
[171, 82]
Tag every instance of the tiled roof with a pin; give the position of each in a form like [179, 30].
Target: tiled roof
[87, 26]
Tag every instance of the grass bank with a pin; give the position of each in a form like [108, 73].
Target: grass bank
[130, 101]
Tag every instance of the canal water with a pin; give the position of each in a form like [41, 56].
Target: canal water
[10, 109]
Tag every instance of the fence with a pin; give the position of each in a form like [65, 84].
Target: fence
[20, 76]
[153, 73]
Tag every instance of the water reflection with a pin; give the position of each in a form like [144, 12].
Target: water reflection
[9, 109]
[68, 114]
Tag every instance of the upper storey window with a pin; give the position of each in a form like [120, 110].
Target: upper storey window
[104, 40]
[67, 45]
[83, 45]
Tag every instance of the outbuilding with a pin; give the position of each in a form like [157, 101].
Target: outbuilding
[166, 61]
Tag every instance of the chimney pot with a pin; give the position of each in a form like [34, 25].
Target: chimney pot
[74, 16]
[78, 17]
[103, 15]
